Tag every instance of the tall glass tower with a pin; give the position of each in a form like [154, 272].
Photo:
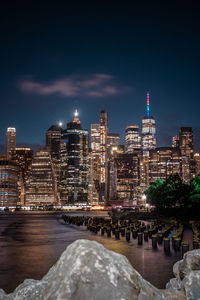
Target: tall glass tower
[74, 163]
[10, 141]
[186, 145]
[148, 131]
[53, 136]
[103, 154]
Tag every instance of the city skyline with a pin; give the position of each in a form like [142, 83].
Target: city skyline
[67, 171]
[99, 56]
[36, 146]
[99, 149]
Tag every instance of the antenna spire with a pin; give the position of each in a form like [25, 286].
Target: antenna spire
[148, 110]
[76, 119]
[76, 113]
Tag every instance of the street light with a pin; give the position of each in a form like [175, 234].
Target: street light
[144, 197]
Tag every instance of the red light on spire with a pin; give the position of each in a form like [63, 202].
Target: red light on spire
[147, 98]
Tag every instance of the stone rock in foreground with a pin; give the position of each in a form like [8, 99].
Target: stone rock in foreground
[187, 273]
[86, 270]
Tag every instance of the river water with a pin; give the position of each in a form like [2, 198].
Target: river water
[30, 243]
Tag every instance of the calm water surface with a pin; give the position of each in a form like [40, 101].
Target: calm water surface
[30, 243]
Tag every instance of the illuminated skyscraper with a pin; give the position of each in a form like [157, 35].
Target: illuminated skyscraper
[23, 158]
[133, 139]
[128, 176]
[41, 188]
[74, 163]
[103, 153]
[95, 138]
[148, 131]
[187, 152]
[92, 190]
[9, 176]
[197, 162]
[163, 162]
[144, 174]
[113, 139]
[101, 141]
[95, 170]
[113, 152]
[10, 141]
[175, 141]
[186, 141]
[53, 137]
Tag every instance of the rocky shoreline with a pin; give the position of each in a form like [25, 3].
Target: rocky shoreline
[86, 270]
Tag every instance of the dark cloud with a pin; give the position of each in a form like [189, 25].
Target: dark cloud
[95, 85]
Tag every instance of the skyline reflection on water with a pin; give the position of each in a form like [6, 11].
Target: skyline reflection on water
[32, 242]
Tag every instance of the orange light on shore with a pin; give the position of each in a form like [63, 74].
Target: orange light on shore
[97, 207]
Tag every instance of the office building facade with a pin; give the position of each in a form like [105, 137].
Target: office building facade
[148, 131]
[186, 145]
[53, 138]
[23, 158]
[10, 141]
[197, 163]
[103, 156]
[9, 176]
[175, 141]
[128, 177]
[74, 164]
[113, 139]
[113, 152]
[132, 138]
[163, 162]
[41, 187]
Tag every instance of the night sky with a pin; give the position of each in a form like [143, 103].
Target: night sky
[56, 56]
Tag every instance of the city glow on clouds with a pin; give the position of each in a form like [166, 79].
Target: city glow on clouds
[94, 85]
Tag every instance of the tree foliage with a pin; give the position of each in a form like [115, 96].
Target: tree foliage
[173, 192]
[195, 191]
